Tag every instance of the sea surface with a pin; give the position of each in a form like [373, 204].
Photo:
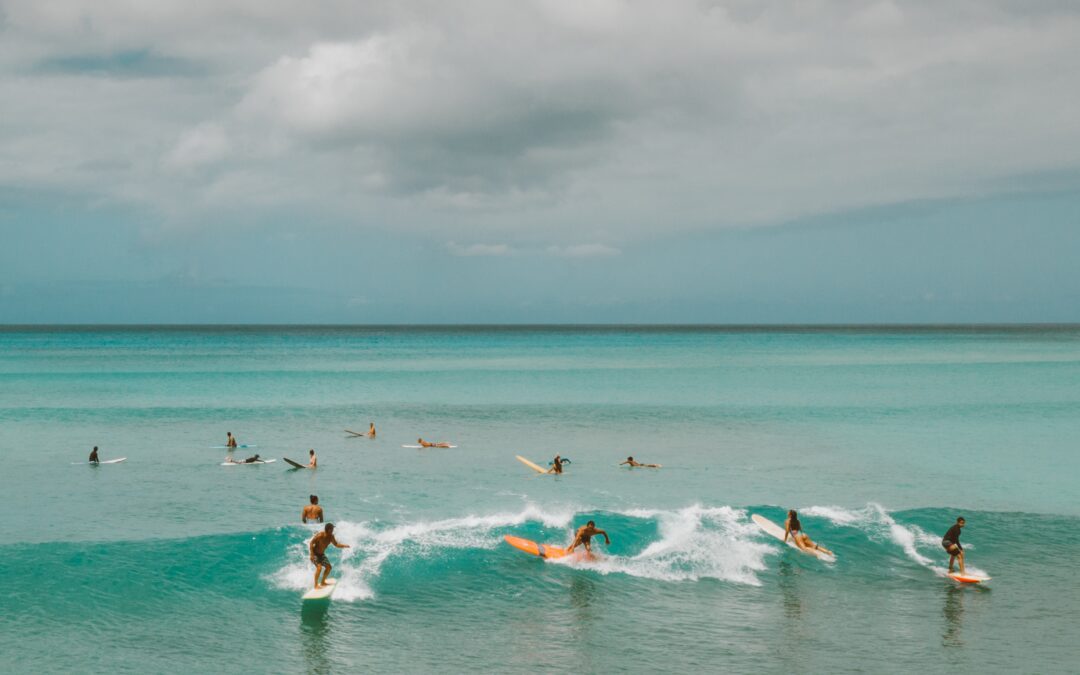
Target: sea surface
[880, 437]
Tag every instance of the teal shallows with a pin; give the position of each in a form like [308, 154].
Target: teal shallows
[170, 562]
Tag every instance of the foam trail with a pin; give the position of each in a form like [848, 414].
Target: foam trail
[695, 543]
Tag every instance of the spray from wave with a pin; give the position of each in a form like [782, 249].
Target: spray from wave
[694, 543]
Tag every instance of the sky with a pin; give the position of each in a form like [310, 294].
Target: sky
[541, 161]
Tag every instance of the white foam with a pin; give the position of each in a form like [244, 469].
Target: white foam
[837, 515]
[695, 543]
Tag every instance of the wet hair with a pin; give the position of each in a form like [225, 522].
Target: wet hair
[314, 499]
[329, 527]
[95, 447]
[960, 519]
[630, 458]
[311, 451]
[590, 524]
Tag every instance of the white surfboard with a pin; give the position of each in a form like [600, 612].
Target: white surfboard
[323, 593]
[261, 461]
[105, 461]
[776, 531]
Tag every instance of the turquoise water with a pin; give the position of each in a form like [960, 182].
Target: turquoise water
[170, 562]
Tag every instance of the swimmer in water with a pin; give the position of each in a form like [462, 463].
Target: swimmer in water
[631, 463]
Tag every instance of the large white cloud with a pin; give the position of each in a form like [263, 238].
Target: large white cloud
[552, 121]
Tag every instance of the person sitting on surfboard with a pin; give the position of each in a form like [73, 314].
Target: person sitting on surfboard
[317, 548]
[371, 430]
[312, 511]
[425, 444]
[630, 461]
[313, 461]
[230, 442]
[556, 467]
[951, 543]
[793, 527]
[584, 538]
[93, 456]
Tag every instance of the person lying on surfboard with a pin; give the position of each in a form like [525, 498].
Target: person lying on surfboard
[230, 440]
[424, 444]
[584, 538]
[793, 527]
[313, 461]
[312, 511]
[319, 543]
[951, 543]
[630, 461]
[556, 466]
[93, 456]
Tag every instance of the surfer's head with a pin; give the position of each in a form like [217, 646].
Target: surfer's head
[590, 524]
[960, 521]
[329, 529]
[314, 499]
[629, 459]
[311, 452]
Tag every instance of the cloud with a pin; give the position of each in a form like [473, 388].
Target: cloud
[487, 119]
[583, 251]
[474, 250]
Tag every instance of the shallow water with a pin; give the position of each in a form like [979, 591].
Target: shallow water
[170, 562]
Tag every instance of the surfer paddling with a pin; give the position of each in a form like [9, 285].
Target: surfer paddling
[424, 444]
[254, 459]
[951, 543]
[319, 543]
[584, 538]
[93, 456]
[230, 440]
[632, 463]
[312, 511]
[793, 528]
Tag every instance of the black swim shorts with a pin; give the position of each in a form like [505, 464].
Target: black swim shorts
[320, 559]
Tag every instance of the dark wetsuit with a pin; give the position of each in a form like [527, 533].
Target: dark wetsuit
[952, 538]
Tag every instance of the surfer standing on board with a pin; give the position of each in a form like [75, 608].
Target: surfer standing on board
[793, 527]
[93, 456]
[632, 463]
[230, 441]
[584, 537]
[317, 547]
[312, 511]
[951, 543]
[313, 461]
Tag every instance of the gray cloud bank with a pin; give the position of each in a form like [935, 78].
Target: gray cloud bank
[542, 123]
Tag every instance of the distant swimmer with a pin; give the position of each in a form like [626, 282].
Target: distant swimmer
[230, 440]
[556, 468]
[313, 461]
[317, 548]
[793, 527]
[93, 456]
[630, 462]
[951, 543]
[425, 444]
[584, 537]
[312, 511]
[371, 430]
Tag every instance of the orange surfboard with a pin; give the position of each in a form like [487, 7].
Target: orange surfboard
[532, 548]
[966, 578]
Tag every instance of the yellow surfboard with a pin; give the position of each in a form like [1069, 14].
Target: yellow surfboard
[534, 467]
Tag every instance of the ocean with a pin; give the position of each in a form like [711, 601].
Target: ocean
[879, 436]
